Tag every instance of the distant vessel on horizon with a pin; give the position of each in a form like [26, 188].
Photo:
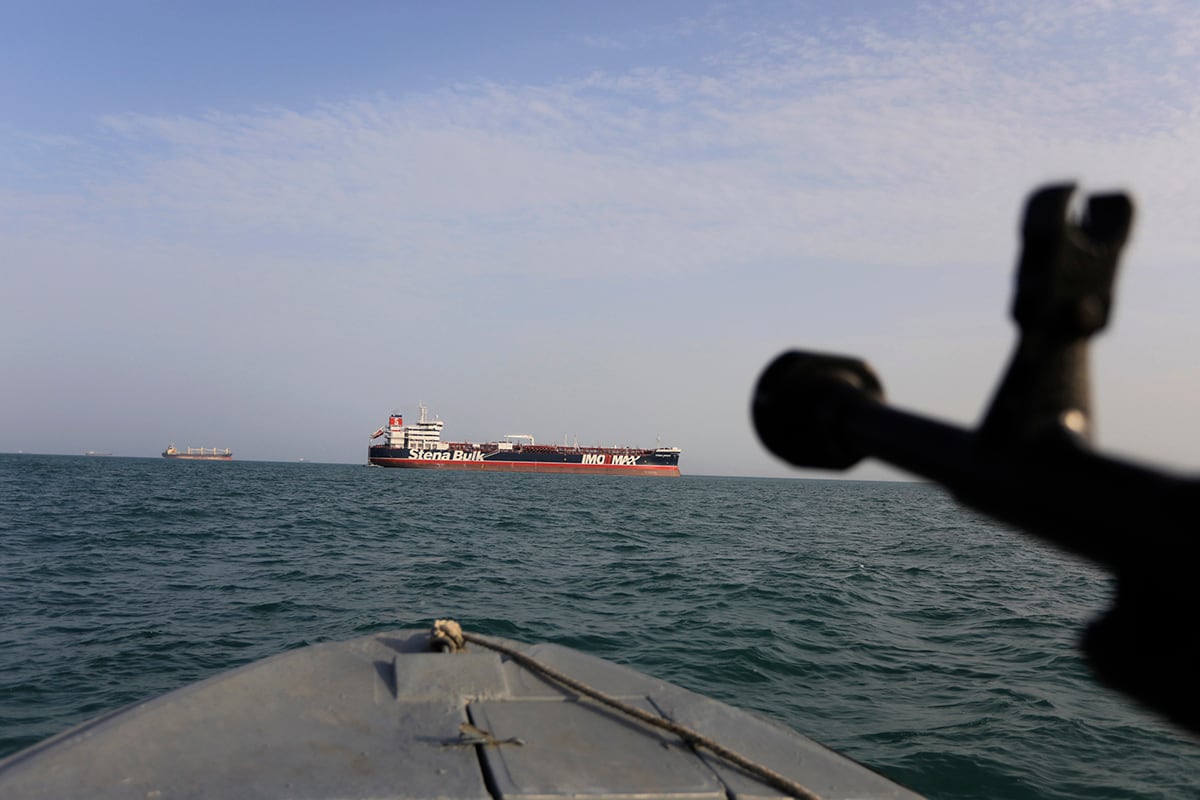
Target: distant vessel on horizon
[96, 453]
[198, 453]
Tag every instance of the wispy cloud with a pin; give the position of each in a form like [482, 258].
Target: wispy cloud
[792, 130]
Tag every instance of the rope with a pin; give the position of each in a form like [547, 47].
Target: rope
[449, 635]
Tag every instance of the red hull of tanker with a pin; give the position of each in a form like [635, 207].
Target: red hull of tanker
[665, 471]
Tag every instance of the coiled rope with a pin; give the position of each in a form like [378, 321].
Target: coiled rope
[448, 635]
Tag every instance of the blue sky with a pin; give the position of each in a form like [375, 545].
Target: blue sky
[265, 226]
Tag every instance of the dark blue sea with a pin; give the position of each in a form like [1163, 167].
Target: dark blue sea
[879, 618]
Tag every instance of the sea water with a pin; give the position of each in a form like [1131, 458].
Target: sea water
[924, 640]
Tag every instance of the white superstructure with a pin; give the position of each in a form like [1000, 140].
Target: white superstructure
[425, 435]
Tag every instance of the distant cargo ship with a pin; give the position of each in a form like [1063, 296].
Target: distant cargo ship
[420, 446]
[198, 453]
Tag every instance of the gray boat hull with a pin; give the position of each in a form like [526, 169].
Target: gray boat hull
[383, 717]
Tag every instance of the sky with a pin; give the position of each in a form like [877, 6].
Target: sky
[265, 226]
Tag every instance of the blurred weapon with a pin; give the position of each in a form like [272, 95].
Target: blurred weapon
[1030, 462]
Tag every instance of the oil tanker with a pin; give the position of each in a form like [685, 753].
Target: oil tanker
[420, 446]
[198, 453]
